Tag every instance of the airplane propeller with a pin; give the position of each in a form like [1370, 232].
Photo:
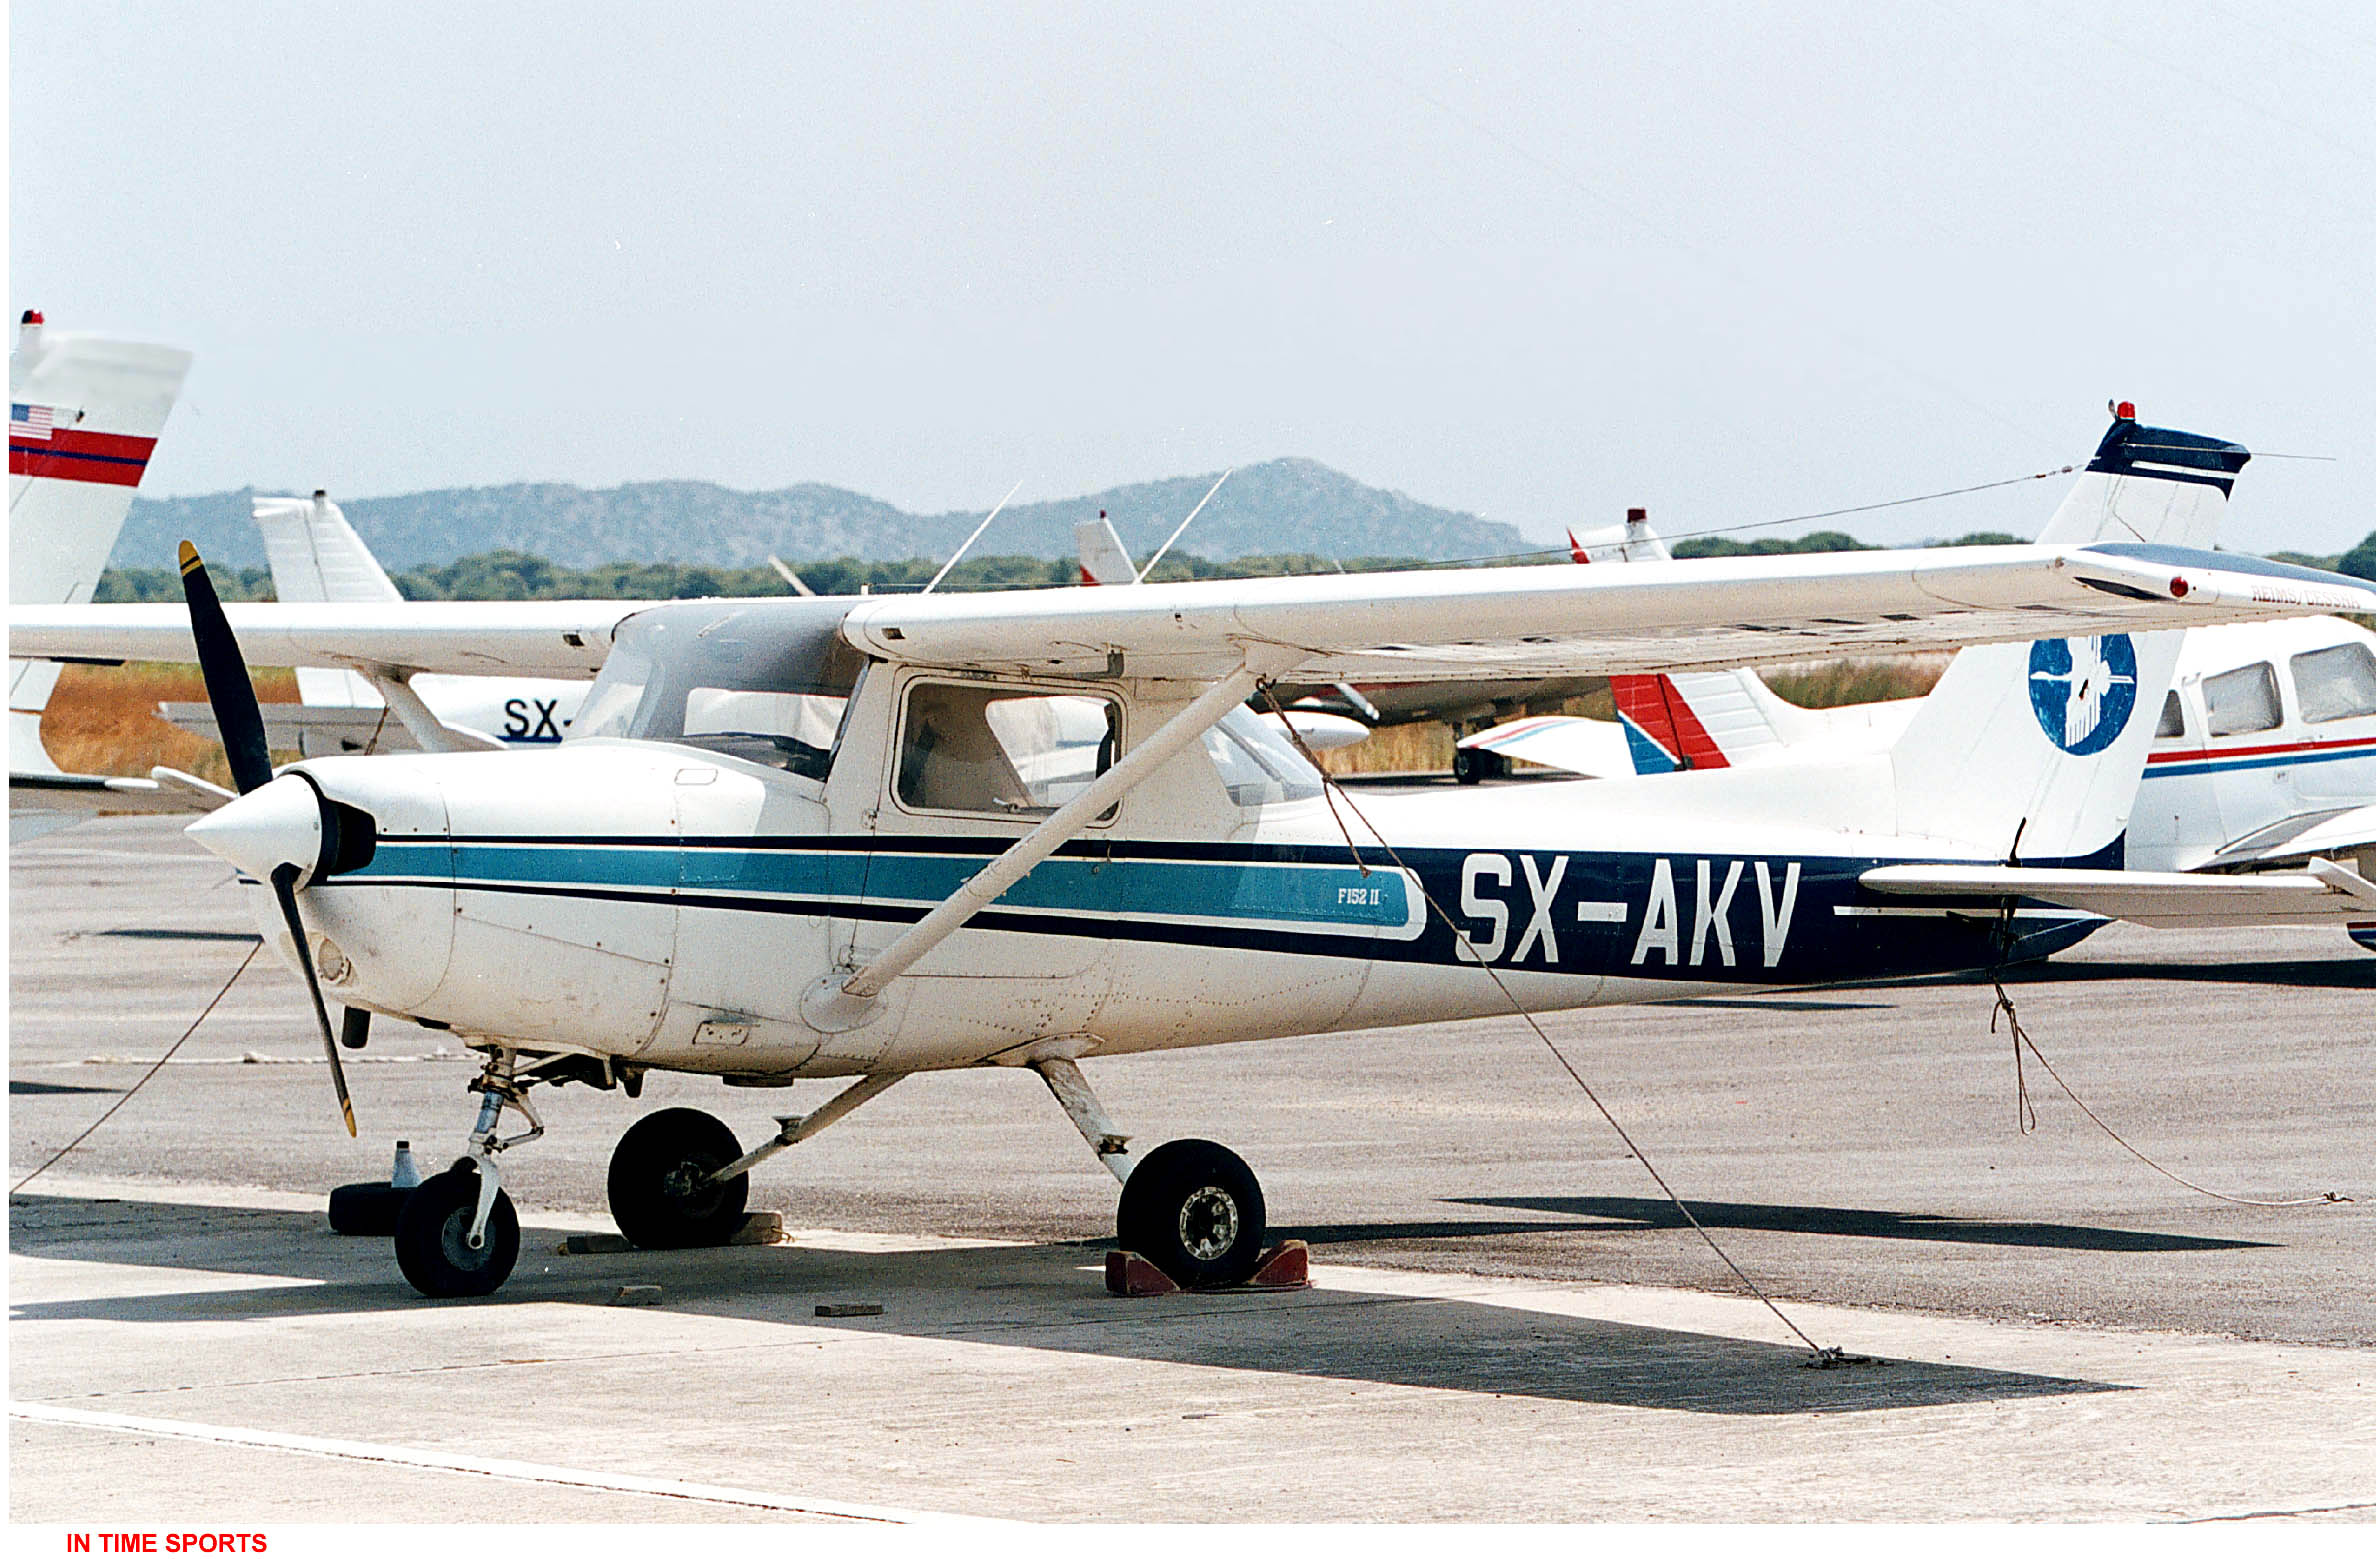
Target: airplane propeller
[266, 824]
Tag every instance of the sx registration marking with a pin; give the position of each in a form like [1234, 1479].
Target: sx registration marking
[1717, 900]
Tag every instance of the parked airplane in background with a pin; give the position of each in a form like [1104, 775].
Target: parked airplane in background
[84, 415]
[2264, 748]
[316, 556]
[864, 838]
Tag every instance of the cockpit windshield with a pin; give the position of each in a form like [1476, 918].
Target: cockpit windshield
[767, 682]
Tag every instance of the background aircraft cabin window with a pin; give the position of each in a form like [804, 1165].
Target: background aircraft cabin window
[767, 684]
[2242, 700]
[2337, 683]
[1257, 763]
[2173, 717]
[968, 748]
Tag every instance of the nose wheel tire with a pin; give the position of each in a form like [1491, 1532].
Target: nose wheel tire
[433, 1238]
[1195, 1210]
[660, 1192]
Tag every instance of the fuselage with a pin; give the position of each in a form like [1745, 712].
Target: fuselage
[673, 905]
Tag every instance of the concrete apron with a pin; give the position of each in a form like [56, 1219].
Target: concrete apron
[1000, 1381]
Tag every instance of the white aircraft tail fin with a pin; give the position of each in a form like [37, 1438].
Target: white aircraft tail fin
[84, 414]
[1104, 560]
[2033, 751]
[316, 556]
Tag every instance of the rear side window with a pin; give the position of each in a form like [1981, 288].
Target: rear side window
[2173, 719]
[2337, 683]
[2242, 700]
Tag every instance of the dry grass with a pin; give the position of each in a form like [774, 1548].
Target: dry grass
[1427, 748]
[1842, 682]
[103, 719]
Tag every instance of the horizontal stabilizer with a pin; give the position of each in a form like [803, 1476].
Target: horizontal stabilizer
[2325, 894]
[168, 790]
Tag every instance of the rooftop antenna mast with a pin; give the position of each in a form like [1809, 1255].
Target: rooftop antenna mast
[976, 536]
[1183, 525]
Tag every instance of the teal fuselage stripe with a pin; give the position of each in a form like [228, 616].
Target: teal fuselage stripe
[1326, 898]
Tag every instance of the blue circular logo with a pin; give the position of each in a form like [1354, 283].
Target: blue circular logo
[2083, 690]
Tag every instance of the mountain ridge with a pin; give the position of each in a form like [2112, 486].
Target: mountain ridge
[1290, 504]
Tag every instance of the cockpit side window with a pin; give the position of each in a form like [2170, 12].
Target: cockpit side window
[1258, 764]
[971, 747]
[2243, 700]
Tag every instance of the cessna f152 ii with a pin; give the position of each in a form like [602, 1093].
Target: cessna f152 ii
[793, 839]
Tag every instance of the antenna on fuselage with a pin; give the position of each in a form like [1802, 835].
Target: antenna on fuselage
[976, 536]
[1183, 525]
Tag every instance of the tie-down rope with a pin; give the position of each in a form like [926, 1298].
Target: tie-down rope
[2025, 1113]
[1823, 1358]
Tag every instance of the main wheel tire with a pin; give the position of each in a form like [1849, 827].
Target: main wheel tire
[367, 1207]
[1195, 1210]
[432, 1238]
[660, 1193]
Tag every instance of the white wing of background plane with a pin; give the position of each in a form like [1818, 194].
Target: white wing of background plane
[531, 638]
[1566, 620]
[1435, 623]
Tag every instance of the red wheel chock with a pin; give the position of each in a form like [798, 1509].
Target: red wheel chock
[1129, 1275]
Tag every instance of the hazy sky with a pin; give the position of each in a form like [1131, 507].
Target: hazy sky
[1722, 260]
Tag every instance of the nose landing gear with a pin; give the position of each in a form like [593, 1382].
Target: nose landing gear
[458, 1237]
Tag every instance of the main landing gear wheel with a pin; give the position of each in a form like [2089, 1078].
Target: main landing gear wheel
[1195, 1210]
[433, 1238]
[661, 1194]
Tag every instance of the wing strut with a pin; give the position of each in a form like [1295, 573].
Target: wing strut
[433, 734]
[983, 888]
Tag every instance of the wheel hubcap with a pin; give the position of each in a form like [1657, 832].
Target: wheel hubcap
[454, 1240]
[689, 1185]
[1208, 1223]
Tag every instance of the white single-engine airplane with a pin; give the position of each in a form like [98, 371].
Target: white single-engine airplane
[831, 838]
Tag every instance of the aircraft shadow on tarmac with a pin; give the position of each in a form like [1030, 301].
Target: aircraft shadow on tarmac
[1042, 1297]
[2334, 974]
[1646, 1212]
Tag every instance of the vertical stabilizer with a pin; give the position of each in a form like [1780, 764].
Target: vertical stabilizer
[1104, 560]
[2046, 741]
[84, 415]
[316, 556]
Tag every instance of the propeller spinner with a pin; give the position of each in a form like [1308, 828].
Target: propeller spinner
[281, 830]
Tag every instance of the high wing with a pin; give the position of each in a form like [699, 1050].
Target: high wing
[1466, 623]
[531, 638]
[1561, 619]
[2325, 894]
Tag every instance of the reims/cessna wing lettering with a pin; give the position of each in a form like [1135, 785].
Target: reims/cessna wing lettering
[830, 838]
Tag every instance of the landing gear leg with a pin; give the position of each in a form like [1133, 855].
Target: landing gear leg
[458, 1236]
[1191, 1207]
